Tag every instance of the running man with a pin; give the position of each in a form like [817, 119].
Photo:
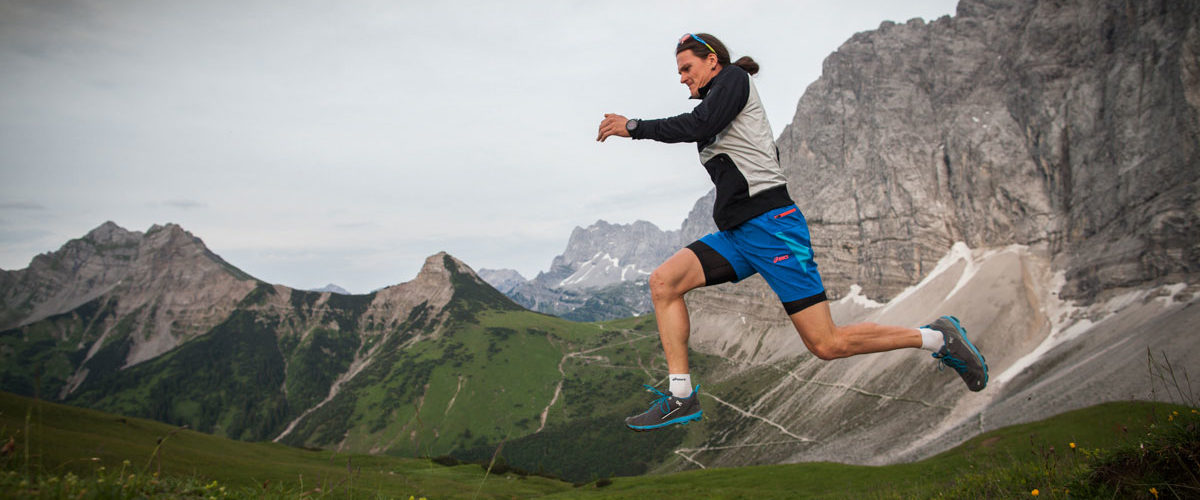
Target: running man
[760, 230]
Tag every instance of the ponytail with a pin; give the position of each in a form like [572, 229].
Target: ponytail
[747, 63]
[710, 44]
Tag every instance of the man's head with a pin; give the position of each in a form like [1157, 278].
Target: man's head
[699, 59]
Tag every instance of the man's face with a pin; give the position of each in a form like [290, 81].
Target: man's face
[695, 72]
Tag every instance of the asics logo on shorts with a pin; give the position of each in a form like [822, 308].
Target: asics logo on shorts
[782, 258]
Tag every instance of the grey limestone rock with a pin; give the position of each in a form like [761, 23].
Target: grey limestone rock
[1071, 123]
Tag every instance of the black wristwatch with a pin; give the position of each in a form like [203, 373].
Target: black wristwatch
[632, 125]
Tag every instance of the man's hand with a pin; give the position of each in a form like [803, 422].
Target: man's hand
[612, 125]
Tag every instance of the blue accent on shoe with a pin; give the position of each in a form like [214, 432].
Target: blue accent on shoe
[663, 397]
[680, 421]
[662, 404]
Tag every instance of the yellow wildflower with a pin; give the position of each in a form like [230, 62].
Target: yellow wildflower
[1035, 492]
[1072, 446]
[1154, 491]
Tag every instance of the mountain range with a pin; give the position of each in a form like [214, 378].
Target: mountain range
[155, 325]
[1031, 167]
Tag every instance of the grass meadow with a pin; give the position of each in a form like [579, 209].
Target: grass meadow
[1122, 450]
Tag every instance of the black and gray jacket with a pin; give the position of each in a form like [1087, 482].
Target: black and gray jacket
[730, 129]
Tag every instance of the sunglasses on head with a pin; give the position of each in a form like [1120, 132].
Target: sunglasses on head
[696, 38]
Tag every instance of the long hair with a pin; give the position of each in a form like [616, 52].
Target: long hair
[700, 50]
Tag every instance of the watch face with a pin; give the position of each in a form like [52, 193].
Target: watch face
[631, 125]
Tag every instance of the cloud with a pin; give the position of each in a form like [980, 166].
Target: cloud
[21, 205]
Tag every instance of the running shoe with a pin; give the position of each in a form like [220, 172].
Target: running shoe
[667, 410]
[960, 354]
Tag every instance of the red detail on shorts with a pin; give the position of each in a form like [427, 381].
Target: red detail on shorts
[785, 214]
[781, 258]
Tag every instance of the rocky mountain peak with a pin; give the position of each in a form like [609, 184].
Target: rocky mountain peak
[603, 254]
[154, 266]
[110, 233]
[332, 288]
[502, 279]
[443, 279]
[441, 268]
[602, 273]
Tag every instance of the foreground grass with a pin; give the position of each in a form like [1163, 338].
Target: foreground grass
[60, 451]
[1123, 450]
[1114, 450]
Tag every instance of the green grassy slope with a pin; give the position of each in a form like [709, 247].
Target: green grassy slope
[64, 439]
[52, 440]
[1049, 455]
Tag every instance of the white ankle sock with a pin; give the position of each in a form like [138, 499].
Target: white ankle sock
[681, 385]
[931, 340]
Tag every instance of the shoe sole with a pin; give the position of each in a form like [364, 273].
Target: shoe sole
[962, 332]
[684, 420]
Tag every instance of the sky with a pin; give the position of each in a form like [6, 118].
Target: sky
[312, 142]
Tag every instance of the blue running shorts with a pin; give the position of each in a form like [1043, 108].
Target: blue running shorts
[777, 246]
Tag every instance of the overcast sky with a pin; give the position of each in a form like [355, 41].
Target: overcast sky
[310, 142]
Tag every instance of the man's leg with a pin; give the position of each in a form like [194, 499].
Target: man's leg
[675, 277]
[668, 283]
[829, 341]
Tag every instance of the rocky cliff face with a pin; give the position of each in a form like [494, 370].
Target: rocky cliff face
[1073, 124]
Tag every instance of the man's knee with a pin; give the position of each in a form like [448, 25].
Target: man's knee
[828, 350]
[663, 286]
[828, 346]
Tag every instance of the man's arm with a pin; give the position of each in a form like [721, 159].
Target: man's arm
[720, 106]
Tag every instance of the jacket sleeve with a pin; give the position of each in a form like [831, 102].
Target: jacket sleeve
[725, 99]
